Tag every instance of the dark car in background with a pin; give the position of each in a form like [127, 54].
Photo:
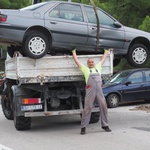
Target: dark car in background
[57, 25]
[127, 85]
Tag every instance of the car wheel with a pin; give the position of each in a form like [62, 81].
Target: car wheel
[36, 45]
[112, 100]
[138, 55]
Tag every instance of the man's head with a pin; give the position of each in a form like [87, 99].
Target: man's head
[90, 63]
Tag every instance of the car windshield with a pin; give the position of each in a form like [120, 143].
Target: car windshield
[118, 77]
[33, 7]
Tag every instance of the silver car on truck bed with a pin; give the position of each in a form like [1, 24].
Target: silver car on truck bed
[55, 26]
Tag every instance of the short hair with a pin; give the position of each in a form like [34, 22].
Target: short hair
[89, 59]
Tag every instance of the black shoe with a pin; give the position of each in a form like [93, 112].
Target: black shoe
[106, 129]
[83, 131]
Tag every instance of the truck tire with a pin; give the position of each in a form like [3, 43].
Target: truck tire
[94, 117]
[36, 44]
[6, 100]
[21, 122]
[6, 107]
[138, 55]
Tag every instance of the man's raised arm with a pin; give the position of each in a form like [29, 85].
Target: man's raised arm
[76, 60]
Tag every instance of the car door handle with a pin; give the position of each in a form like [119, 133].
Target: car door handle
[53, 22]
[93, 28]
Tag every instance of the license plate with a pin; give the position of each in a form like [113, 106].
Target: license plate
[31, 107]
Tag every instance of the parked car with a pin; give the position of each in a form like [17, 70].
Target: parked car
[127, 85]
[57, 25]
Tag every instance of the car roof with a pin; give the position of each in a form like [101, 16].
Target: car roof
[137, 69]
[39, 5]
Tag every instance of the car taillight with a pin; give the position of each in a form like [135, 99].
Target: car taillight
[31, 100]
[3, 18]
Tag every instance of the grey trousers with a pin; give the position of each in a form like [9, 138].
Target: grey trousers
[94, 92]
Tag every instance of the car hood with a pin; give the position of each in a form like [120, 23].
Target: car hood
[112, 87]
[108, 85]
[136, 31]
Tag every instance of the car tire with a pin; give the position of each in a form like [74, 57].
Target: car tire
[137, 55]
[112, 100]
[36, 45]
[94, 117]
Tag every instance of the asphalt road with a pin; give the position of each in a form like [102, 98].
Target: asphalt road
[130, 131]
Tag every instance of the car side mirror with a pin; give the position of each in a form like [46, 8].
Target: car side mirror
[127, 83]
[117, 24]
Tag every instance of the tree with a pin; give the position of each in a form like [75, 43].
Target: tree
[4, 4]
[130, 12]
[14, 4]
[145, 24]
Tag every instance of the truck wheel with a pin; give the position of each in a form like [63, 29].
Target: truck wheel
[94, 117]
[6, 107]
[112, 100]
[137, 55]
[6, 100]
[21, 122]
[36, 45]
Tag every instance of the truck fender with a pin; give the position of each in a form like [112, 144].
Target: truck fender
[18, 94]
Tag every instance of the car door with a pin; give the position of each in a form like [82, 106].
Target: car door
[135, 90]
[110, 35]
[147, 85]
[66, 23]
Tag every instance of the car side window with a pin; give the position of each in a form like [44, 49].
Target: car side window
[136, 77]
[104, 18]
[67, 11]
[147, 76]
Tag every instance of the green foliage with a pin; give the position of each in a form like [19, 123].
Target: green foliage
[123, 65]
[4, 4]
[146, 24]
[14, 4]
[130, 12]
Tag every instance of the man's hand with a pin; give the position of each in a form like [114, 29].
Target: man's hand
[105, 51]
[74, 51]
[111, 49]
[108, 51]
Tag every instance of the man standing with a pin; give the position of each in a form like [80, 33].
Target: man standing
[93, 80]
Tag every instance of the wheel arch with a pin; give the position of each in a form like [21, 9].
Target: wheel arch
[117, 93]
[39, 28]
[18, 93]
[141, 40]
